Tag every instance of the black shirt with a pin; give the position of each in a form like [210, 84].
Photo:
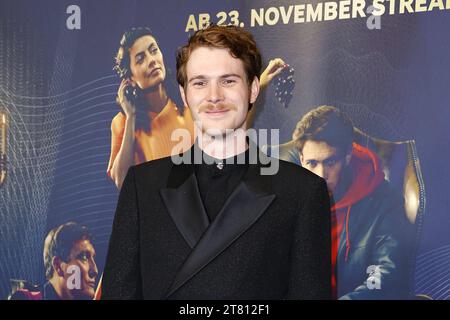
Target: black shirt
[50, 292]
[217, 178]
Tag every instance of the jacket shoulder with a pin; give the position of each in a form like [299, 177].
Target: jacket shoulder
[292, 172]
[152, 171]
[387, 195]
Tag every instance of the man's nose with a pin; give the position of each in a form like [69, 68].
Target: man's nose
[93, 270]
[320, 171]
[215, 94]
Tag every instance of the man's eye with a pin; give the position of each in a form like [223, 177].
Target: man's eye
[229, 81]
[198, 84]
[312, 164]
[154, 51]
[83, 257]
[331, 162]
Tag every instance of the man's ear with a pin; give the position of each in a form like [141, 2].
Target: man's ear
[57, 265]
[183, 95]
[254, 90]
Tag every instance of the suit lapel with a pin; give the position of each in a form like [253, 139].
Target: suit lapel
[241, 210]
[184, 203]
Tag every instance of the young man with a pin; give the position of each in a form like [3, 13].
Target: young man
[370, 230]
[219, 228]
[70, 268]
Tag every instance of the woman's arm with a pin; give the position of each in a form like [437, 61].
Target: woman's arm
[123, 158]
[273, 69]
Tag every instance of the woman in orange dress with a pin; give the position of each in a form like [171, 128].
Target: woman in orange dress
[142, 130]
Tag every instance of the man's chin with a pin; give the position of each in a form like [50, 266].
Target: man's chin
[86, 294]
[216, 132]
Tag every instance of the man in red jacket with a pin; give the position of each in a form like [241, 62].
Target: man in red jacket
[370, 255]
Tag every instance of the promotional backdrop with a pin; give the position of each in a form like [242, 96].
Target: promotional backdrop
[387, 70]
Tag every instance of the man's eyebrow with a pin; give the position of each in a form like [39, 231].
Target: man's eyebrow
[203, 77]
[199, 77]
[231, 75]
[86, 252]
[333, 157]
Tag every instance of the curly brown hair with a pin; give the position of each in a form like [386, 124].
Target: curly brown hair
[325, 124]
[238, 41]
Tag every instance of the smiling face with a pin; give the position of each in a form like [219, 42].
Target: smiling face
[217, 90]
[82, 256]
[146, 63]
[325, 161]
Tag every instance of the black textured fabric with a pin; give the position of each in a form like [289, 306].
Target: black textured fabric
[217, 179]
[271, 239]
[49, 292]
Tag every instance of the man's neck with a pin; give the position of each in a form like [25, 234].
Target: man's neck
[222, 147]
[56, 284]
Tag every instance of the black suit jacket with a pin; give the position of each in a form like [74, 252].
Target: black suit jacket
[270, 240]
